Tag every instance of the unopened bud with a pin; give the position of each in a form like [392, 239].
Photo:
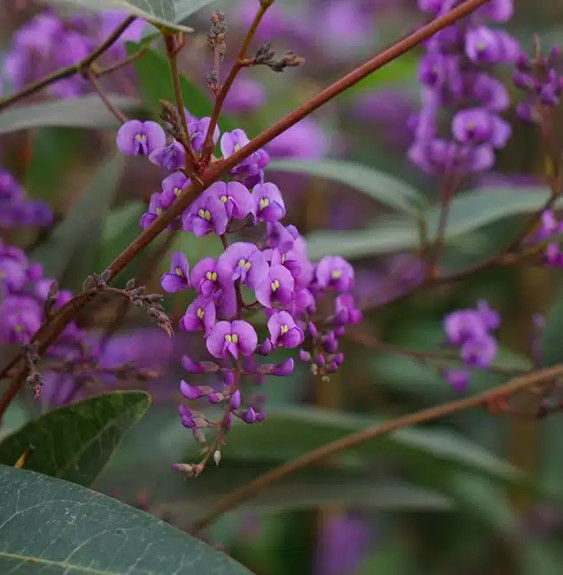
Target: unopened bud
[217, 457]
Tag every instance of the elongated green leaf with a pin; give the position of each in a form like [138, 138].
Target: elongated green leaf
[382, 187]
[83, 112]
[75, 442]
[469, 211]
[74, 243]
[168, 13]
[49, 526]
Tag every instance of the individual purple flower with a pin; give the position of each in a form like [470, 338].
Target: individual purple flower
[173, 185]
[198, 130]
[204, 277]
[178, 277]
[464, 325]
[186, 416]
[457, 378]
[235, 197]
[346, 311]
[20, 318]
[497, 10]
[486, 46]
[268, 203]
[479, 351]
[490, 317]
[284, 332]
[231, 338]
[190, 392]
[13, 265]
[232, 142]
[205, 215]
[153, 211]
[136, 138]
[200, 315]
[242, 262]
[276, 287]
[334, 272]
[477, 126]
[171, 157]
[490, 93]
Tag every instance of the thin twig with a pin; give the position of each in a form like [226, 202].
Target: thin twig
[99, 72]
[69, 71]
[225, 88]
[104, 98]
[54, 327]
[192, 161]
[249, 490]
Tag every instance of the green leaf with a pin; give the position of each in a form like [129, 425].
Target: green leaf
[380, 186]
[552, 342]
[469, 211]
[76, 441]
[83, 112]
[50, 526]
[73, 245]
[167, 13]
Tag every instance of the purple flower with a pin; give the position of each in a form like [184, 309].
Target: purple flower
[20, 318]
[198, 130]
[173, 185]
[235, 197]
[205, 215]
[276, 287]
[490, 93]
[486, 46]
[497, 10]
[201, 314]
[457, 378]
[204, 277]
[284, 332]
[345, 310]
[335, 272]
[178, 277]
[477, 126]
[232, 142]
[268, 203]
[464, 325]
[490, 317]
[190, 392]
[242, 262]
[171, 157]
[136, 138]
[479, 351]
[231, 338]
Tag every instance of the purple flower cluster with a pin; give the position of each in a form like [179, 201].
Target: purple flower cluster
[548, 228]
[47, 43]
[273, 276]
[453, 74]
[470, 331]
[541, 81]
[17, 211]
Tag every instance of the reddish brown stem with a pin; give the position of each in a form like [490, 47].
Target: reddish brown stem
[247, 491]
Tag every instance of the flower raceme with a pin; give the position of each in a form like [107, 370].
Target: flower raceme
[272, 277]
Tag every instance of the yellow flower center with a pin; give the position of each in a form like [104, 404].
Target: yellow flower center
[211, 276]
[236, 147]
[231, 338]
[179, 272]
[275, 285]
[335, 274]
[177, 191]
[200, 313]
[140, 138]
[264, 203]
[284, 329]
[158, 211]
[244, 264]
[205, 214]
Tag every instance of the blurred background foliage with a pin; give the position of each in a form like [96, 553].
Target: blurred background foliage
[446, 498]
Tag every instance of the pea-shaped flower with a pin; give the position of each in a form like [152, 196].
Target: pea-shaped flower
[137, 138]
[284, 332]
[177, 278]
[231, 338]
